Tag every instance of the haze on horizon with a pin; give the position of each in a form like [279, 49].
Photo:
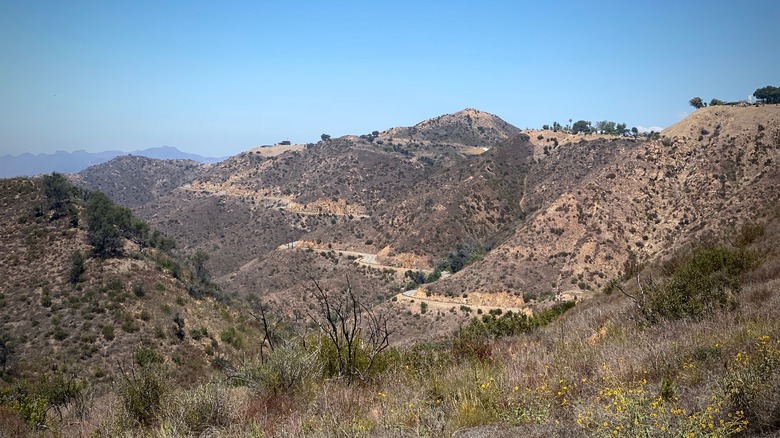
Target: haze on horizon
[216, 79]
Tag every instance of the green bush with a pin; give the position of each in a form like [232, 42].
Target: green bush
[343, 365]
[472, 341]
[198, 334]
[426, 358]
[107, 224]
[77, 267]
[752, 383]
[58, 191]
[108, 332]
[32, 409]
[129, 325]
[232, 337]
[142, 393]
[700, 284]
[33, 401]
[145, 357]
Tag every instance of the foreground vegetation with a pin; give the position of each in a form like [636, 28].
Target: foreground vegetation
[603, 368]
[690, 347]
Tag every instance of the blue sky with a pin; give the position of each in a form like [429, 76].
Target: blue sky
[216, 78]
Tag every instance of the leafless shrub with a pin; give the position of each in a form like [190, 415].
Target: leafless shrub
[355, 332]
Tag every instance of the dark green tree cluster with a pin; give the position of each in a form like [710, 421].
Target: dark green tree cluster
[77, 267]
[585, 127]
[611, 128]
[161, 241]
[370, 137]
[581, 126]
[464, 254]
[768, 94]
[107, 224]
[61, 196]
[417, 278]
[697, 103]
[57, 190]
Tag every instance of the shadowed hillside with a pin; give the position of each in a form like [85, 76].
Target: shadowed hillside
[133, 181]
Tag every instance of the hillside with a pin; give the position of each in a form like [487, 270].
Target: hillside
[647, 201]
[86, 325]
[468, 203]
[133, 181]
[556, 216]
[606, 367]
[263, 200]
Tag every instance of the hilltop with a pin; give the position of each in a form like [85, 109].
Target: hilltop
[465, 129]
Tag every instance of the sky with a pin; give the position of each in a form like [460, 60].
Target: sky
[216, 78]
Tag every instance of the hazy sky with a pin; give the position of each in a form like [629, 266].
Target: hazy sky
[216, 78]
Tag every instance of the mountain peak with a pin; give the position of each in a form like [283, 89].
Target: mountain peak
[468, 127]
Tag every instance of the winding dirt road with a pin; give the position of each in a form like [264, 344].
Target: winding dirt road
[413, 295]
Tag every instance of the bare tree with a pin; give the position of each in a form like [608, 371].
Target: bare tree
[270, 329]
[343, 318]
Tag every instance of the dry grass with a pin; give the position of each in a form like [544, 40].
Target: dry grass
[717, 376]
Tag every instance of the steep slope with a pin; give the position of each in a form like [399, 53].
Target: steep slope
[232, 231]
[551, 218]
[741, 122]
[469, 203]
[649, 200]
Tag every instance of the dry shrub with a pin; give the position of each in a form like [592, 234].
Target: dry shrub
[289, 367]
[207, 407]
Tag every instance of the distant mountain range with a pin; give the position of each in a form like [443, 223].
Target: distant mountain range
[72, 162]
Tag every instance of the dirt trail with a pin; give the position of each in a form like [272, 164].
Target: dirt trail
[414, 295]
[442, 303]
